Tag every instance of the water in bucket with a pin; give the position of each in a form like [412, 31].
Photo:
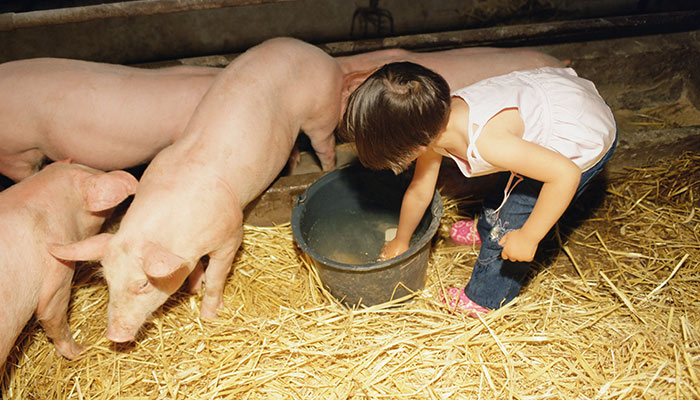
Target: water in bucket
[352, 236]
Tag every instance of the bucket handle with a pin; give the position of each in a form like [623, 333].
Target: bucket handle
[301, 198]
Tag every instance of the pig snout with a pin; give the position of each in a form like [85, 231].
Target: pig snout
[128, 311]
[122, 329]
[118, 334]
[123, 321]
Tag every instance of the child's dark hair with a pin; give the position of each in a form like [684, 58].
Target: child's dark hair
[400, 107]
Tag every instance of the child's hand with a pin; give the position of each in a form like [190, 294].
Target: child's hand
[392, 249]
[518, 246]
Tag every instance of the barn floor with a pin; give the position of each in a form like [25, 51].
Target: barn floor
[610, 311]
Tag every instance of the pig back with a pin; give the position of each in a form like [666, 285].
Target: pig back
[460, 67]
[102, 115]
[463, 67]
[285, 81]
[247, 123]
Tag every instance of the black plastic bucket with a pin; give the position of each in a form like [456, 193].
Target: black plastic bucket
[340, 222]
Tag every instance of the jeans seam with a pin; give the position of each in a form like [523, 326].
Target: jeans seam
[488, 260]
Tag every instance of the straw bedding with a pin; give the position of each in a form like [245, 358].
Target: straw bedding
[612, 312]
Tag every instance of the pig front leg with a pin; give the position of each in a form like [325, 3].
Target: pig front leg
[52, 313]
[215, 275]
[324, 147]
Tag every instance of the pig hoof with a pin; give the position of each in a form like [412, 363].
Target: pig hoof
[207, 314]
[71, 351]
[208, 311]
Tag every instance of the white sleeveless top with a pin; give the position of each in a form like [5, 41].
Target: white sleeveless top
[560, 110]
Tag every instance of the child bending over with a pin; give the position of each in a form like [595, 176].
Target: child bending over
[546, 132]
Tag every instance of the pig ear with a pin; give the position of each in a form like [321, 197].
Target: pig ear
[92, 248]
[352, 80]
[104, 191]
[159, 262]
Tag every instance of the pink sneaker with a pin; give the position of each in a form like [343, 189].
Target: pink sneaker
[458, 302]
[464, 232]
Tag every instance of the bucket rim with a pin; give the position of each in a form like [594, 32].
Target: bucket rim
[435, 209]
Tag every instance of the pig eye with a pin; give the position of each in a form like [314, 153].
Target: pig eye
[142, 286]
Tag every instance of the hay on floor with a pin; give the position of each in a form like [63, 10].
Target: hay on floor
[612, 312]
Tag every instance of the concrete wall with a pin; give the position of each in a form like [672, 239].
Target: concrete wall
[233, 29]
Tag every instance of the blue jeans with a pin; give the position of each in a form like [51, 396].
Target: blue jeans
[495, 281]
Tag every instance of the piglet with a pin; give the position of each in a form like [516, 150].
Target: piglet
[190, 199]
[101, 115]
[63, 203]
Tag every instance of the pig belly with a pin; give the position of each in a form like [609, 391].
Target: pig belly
[105, 155]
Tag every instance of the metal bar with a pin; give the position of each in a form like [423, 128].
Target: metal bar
[12, 21]
[508, 35]
[529, 34]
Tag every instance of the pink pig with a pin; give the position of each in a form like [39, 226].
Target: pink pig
[101, 115]
[460, 67]
[190, 199]
[62, 203]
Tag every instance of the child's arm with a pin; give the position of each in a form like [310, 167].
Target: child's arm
[416, 200]
[559, 177]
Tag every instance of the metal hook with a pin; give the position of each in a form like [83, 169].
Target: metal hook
[372, 15]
